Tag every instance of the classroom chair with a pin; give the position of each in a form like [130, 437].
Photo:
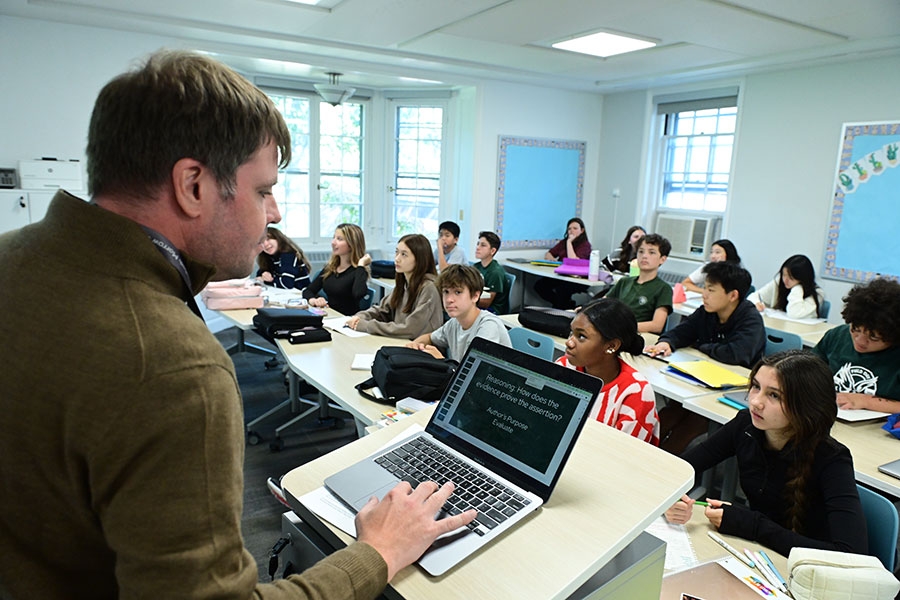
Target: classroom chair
[366, 301]
[824, 309]
[882, 523]
[510, 282]
[777, 340]
[531, 342]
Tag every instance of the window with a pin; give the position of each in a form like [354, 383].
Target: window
[697, 143]
[416, 185]
[322, 186]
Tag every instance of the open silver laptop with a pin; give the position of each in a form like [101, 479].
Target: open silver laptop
[502, 433]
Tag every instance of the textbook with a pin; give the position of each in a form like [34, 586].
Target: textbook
[708, 374]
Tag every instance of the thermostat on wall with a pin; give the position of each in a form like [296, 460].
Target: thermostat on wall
[7, 178]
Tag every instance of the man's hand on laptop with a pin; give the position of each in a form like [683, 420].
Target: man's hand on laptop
[401, 526]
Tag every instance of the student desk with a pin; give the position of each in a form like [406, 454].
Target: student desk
[536, 271]
[810, 333]
[709, 580]
[613, 486]
[384, 284]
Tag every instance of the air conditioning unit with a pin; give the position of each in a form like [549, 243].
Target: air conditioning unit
[690, 236]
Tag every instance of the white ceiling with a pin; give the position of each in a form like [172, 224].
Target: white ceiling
[422, 43]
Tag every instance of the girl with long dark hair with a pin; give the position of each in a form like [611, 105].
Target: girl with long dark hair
[620, 258]
[793, 290]
[799, 481]
[719, 251]
[282, 263]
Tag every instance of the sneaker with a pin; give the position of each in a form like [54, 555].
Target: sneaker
[274, 486]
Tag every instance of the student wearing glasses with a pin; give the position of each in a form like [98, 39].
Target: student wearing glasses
[864, 355]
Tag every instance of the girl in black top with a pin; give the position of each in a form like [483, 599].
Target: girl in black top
[282, 263]
[799, 481]
[620, 258]
[344, 278]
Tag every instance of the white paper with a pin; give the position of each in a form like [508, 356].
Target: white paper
[336, 324]
[750, 578]
[362, 362]
[680, 553]
[777, 314]
[860, 414]
[292, 298]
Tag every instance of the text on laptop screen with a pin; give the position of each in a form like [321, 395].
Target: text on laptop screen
[522, 417]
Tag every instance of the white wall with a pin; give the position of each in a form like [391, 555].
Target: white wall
[512, 109]
[785, 156]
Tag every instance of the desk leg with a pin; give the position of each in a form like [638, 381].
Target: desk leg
[243, 346]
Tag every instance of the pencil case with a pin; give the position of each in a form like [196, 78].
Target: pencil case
[827, 575]
[891, 423]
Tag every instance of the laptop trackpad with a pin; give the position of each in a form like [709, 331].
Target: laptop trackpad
[379, 493]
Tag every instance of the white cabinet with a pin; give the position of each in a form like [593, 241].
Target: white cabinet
[13, 210]
[18, 208]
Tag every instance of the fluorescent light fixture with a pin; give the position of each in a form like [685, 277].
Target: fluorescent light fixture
[603, 44]
[312, 2]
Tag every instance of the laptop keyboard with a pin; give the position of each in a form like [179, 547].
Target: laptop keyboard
[420, 460]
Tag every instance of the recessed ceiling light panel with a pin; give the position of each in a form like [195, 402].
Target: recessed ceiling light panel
[604, 44]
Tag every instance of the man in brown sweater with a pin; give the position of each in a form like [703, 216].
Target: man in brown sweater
[121, 438]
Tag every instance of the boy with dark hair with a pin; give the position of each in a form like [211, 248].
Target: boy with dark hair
[446, 251]
[648, 296]
[461, 287]
[727, 327]
[864, 354]
[495, 282]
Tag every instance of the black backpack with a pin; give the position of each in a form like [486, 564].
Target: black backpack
[298, 325]
[400, 372]
[547, 320]
[384, 269]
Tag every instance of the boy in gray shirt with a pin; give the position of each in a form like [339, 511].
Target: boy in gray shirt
[461, 287]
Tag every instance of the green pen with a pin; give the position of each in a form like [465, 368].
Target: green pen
[701, 502]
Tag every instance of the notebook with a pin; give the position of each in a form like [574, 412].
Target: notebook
[708, 374]
[502, 432]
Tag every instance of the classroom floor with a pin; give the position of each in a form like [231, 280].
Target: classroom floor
[262, 389]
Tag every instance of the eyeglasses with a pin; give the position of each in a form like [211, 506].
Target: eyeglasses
[871, 336]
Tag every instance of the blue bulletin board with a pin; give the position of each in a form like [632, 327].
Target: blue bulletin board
[540, 185]
[862, 240]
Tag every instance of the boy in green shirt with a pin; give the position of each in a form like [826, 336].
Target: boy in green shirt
[497, 300]
[864, 354]
[648, 296]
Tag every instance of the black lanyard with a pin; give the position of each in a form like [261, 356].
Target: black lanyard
[172, 255]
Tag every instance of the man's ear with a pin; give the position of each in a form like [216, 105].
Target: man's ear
[734, 296]
[191, 182]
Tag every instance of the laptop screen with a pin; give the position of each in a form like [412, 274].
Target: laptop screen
[519, 410]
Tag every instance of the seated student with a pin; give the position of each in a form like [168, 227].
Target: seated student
[648, 296]
[793, 290]
[495, 282]
[344, 279]
[574, 245]
[799, 481]
[727, 327]
[461, 287]
[719, 251]
[414, 307]
[447, 251]
[620, 258]
[600, 332]
[864, 354]
[282, 262]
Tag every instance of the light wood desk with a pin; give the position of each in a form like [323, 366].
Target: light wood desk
[613, 486]
[709, 580]
[384, 284]
[810, 333]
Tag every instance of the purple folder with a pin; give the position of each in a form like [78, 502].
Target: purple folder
[573, 266]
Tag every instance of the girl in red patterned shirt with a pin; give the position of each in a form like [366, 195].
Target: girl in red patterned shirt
[600, 332]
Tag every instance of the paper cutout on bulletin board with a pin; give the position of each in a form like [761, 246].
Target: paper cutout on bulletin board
[861, 243]
[540, 185]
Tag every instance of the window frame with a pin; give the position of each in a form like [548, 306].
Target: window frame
[392, 106]
[316, 237]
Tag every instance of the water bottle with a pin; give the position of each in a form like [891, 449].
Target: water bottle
[634, 270]
[594, 266]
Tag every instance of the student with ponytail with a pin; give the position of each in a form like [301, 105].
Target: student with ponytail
[799, 481]
[601, 331]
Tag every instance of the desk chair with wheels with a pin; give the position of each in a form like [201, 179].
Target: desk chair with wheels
[777, 340]
[824, 309]
[882, 523]
[530, 342]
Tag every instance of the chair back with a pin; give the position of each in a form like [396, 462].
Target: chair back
[531, 342]
[824, 309]
[882, 523]
[777, 340]
[366, 301]
[510, 282]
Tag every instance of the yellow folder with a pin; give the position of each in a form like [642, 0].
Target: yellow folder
[710, 374]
